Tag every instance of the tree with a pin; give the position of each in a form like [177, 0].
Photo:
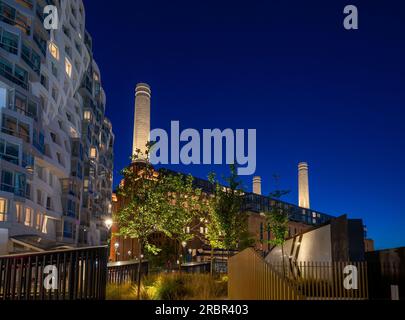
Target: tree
[185, 210]
[155, 201]
[142, 199]
[227, 221]
[278, 222]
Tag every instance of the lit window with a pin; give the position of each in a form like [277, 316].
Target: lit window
[44, 225]
[86, 185]
[19, 212]
[68, 67]
[3, 209]
[87, 115]
[53, 49]
[93, 152]
[28, 217]
[38, 223]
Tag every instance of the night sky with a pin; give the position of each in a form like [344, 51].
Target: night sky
[314, 91]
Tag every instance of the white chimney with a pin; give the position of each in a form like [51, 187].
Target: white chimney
[141, 119]
[303, 186]
[257, 185]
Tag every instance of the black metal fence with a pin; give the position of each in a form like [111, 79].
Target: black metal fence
[126, 271]
[54, 275]
[384, 275]
[196, 267]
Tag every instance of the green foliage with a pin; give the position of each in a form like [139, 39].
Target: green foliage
[185, 206]
[277, 220]
[246, 240]
[169, 286]
[227, 222]
[156, 202]
[120, 292]
[184, 286]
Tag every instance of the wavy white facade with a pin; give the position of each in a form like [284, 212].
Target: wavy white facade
[56, 145]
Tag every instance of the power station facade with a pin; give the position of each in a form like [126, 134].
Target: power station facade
[301, 217]
[56, 145]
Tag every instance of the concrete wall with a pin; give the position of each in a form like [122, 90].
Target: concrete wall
[3, 242]
[313, 245]
[340, 240]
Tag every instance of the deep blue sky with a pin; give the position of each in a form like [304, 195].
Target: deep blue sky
[314, 91]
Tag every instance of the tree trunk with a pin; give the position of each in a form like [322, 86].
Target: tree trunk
[212, 262]
[282, 253]
[139, 271]
[180, 249]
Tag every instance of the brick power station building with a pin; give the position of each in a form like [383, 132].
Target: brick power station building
[301, 217]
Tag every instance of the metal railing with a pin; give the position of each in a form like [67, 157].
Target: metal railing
[325, 280]
[250, 277]
[126, 271]
[54, 275]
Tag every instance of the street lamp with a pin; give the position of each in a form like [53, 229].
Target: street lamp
[116, 246]
[190, 251]
[108, 224]
[184, 244]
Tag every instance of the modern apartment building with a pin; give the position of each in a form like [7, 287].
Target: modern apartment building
[56, 145]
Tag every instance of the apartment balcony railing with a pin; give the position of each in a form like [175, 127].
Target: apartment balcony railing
[17, 20]
[26, 3]
[10, 76]
[17, 134]
[41, 43]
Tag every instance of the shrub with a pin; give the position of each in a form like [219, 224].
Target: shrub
[121, 292]
[173, 286]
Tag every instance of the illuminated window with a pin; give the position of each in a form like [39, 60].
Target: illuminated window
[93, 152]
[19, 212]
[38, 224]
[68, 67]
[87, 115]
[45, 225]
[86, 185]
[3, 209]
[28, 217]
[54, 50]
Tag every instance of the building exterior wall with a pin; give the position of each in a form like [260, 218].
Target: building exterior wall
[53, 128]
[314, 245]
[368, 245]
[339, 240]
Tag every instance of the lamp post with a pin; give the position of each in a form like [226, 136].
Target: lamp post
[108, 224]
[116, 246]
[184, 244]
[190, 251]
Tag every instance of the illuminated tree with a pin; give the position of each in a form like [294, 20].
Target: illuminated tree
[227, 222]
[277, 219]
